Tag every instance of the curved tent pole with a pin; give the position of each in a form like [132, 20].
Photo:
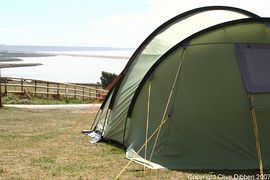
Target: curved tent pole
[162, 27]
[106, 98]
[183, 44]
[116, 88]
[184, 16]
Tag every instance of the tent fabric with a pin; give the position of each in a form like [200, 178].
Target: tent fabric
[198, 107]
[179, 30]
[201, 105]
[238, 33]
[164, 39]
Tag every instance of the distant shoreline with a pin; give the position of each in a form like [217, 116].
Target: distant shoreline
[8, 54]
[94, 56]
[33, 48]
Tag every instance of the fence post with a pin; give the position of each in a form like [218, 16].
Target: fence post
[58, 95]
[47, 90]
[91, 94]
[35, 88]
[5, 86]
[96, 94]
[75, 92]
[66, 89]
[21, 87]
[83, 94]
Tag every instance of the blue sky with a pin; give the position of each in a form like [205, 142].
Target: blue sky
[117, 23]
[58, 22]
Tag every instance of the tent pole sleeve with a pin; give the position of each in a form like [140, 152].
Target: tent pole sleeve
[256, 134]
[124, 134]
[168, 101]
[147, 120]
[115, 92]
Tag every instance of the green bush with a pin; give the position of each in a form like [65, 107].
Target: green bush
[106, 78]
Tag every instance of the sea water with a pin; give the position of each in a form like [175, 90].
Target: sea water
[73, 69]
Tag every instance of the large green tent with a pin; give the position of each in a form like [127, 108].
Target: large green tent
[195, 94]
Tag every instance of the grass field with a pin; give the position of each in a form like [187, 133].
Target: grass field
[48, 144]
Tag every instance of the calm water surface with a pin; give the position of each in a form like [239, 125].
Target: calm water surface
[64, 68]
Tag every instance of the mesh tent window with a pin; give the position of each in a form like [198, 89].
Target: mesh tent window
[254, 60]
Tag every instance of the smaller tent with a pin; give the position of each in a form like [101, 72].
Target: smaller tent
[195, 94]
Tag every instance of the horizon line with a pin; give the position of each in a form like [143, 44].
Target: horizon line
[67, 46]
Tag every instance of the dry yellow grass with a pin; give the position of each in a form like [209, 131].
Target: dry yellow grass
[43, 144]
